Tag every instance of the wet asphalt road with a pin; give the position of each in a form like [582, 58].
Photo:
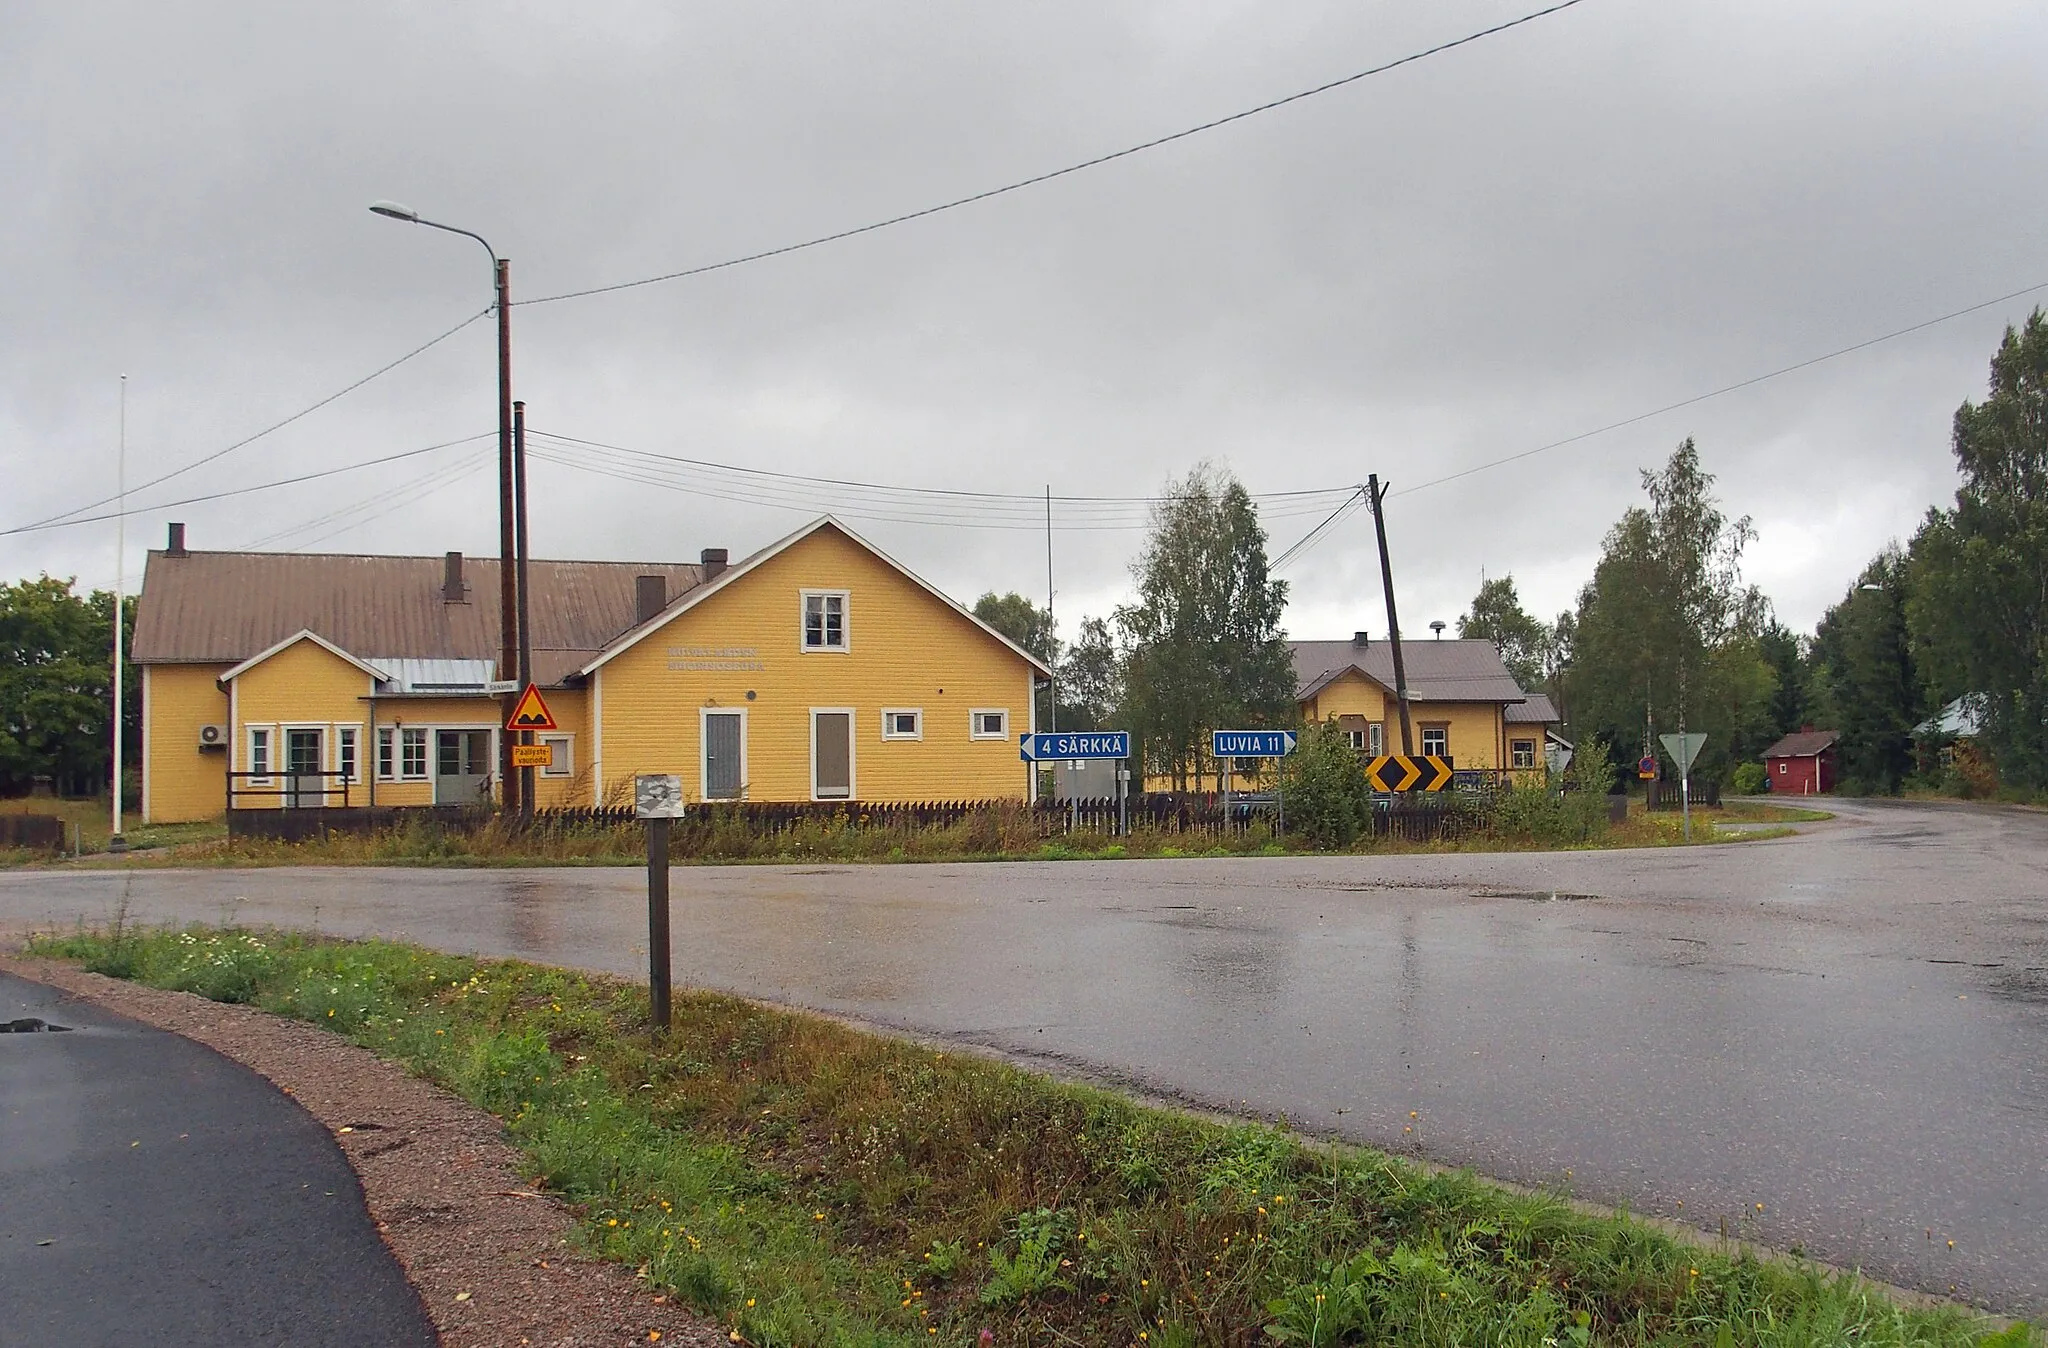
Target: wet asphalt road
[1849, 1027]
[151, 1191]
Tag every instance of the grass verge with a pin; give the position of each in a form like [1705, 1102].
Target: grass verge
[809, 1184]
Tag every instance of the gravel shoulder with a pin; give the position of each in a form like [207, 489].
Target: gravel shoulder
[494, 1261]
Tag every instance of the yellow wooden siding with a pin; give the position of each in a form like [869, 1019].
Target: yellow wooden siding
[306, 685]
[431, 714]
[905, 649]
[184, 782]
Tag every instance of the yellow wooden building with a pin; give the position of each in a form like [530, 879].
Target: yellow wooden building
[816, 669]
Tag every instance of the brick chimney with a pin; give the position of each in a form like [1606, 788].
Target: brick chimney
[650, 596]
[453, 591]
[713, 560]
[1361, 639]
[175, 547]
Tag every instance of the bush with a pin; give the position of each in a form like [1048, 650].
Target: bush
[1574, 810]
[1326, 795]
[1749, 779]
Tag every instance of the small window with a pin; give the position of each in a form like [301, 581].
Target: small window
[259, 754]
[1356, 738]
[413, 755]
[387, 740]
[1376, 738]
[824, 620]
[989, 724]
[902, 723]
[345, 753]
[1784, 767]
[1436, 741]
[1522, 753]
[564, 762]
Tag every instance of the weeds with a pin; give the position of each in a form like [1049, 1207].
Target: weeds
[808, 1184]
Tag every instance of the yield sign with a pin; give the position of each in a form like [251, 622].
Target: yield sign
[1683, 748]
[532, 712]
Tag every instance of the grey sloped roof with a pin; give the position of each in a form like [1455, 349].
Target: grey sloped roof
[1538, 710]
[223, 607]
[1438, 671]
[1803, 744]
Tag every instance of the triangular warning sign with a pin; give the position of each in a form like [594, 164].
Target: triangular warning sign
[532, 712]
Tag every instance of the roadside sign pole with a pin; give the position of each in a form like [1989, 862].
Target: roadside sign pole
[657, 921]
[1684, 787]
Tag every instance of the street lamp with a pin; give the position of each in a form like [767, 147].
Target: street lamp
[513, 644]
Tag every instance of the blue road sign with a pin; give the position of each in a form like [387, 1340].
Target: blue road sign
[1251, 743]
[1075, 744]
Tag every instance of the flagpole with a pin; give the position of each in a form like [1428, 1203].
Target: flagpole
[115, 842]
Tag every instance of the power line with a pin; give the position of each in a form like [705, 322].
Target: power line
[1725, 389]
[1315, 535]
[379, 502]
[1037, 179]
[243, 491]
[247, 440]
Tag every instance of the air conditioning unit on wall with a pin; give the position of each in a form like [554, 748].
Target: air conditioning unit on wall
[213, 737]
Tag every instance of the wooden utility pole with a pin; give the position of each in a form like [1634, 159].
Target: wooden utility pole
[1379, 525]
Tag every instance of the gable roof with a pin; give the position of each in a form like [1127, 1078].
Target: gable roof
[1803, 744]
[1459, 670]
[691, 598]
[1537, 710]
[303, 634]
[222, 607]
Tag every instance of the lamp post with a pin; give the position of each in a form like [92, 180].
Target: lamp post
[508, 601]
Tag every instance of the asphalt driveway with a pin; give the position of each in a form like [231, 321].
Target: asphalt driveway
[1836, 1043]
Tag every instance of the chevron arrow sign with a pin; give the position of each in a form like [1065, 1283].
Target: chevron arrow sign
[1398, 772]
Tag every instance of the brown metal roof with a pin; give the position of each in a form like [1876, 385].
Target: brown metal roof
[223, 607]
[1438, 671]
[1538, 710]
[1803, 744]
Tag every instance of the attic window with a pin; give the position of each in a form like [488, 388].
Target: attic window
[824, 620]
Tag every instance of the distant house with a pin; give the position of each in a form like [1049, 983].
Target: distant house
[1802, 763]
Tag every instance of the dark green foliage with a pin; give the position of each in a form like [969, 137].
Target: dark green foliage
[1323, 783]
[56, 663]
[1205, 647]
[1091, 679]
[1526, 646]
[1565, 812]
[1864, 682]
[1030, 627]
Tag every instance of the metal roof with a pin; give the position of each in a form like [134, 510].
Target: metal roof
[1803, 744]
[1538, 710]
[223, 607]
[435, 676]
[1459, 670]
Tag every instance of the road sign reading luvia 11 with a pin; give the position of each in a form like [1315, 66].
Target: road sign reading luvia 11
[1075, 744]
[1251, 743]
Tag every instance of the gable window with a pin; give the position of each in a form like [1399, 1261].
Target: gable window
[345, 753]
[824, 620]
[412, 760]
[387, 749]
[1522, 753]
[1436, 741]
[563, 764]
[989, 723]
[259, 753]
[902, 723]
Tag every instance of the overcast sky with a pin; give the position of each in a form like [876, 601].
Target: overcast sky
[1603, 212]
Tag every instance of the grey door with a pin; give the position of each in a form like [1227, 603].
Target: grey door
[304, 786]
[832, 755]
[462, 766]
[722, 751]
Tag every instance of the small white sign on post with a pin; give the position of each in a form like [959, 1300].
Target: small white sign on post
[658, 796]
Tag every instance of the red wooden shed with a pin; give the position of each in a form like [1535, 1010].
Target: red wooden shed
[1802, 764]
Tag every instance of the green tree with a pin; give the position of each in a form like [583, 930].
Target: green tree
[1205, 650]
[1865, 683]
[56, 658]
[1978, 596]
[1524, 643]
[1784, 654]
[1659, 628]
[1091, 679]
[1323, 786]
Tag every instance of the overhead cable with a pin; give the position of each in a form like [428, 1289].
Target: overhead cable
[1047, 177]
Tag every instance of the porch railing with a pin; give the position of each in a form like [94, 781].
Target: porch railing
[287, 790]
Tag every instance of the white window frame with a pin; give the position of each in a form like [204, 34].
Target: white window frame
[387, 754]
[1356, 738]
[803, 620]
[852, 754]
[974, 730]
[354, 732]
[704, 753]
[1426, 731]
[426, 740]
[889, 731]
[564, 764]
[270, 737]
[1376, 738]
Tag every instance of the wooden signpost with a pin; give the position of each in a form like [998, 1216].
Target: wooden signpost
[657, 799]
